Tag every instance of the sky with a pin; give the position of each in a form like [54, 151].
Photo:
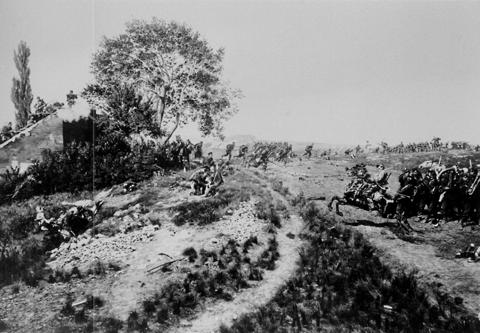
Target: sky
[320, 71]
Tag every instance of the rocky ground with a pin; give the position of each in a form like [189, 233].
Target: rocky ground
[114, 260]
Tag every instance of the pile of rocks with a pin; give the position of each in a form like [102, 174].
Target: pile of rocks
[239, 225]
[85, 250]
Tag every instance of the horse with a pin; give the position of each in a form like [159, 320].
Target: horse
[355, 195]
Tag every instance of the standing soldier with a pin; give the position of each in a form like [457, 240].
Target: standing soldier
[242, 152]
[179, 145]
[198, 154]
[229, 150]
[71, 98]
[186, 151]
[263, 160]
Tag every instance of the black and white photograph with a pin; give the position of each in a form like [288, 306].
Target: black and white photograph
[229, 166]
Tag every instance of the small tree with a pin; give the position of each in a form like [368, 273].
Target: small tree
[21, 90]
[172, 66]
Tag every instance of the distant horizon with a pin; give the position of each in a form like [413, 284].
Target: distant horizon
[327, 71]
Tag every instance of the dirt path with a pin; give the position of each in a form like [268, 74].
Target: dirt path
[222, 312]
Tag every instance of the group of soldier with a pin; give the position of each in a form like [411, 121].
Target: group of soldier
[440, 191]
[432, 190]
[427, 146]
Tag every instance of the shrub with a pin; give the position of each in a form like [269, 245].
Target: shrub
[299, 200]
[277, 186]
[346, 286]
[112, 325]
[266, 211]
[208, 210]
[190, 253]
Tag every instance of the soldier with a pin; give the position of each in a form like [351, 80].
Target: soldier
[71, 98]
[229, 150]
[263, 159]
[178, 151]
[283, 155]
[198, 181]
[242, 152]
[308, 151]
[197, 148]
[381, 178]
[186, 151]
[209, 162]
[214, 181]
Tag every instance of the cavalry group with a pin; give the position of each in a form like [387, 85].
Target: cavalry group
[431, 190]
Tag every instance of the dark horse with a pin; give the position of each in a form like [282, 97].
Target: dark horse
[362, 198]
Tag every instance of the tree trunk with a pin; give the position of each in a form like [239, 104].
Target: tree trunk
[177, 122]
[161, 107]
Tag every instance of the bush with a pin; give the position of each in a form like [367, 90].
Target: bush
[209, 210]
[266, 211]
[190, 253]
[277, 186]
[112, 325]
[71, 170]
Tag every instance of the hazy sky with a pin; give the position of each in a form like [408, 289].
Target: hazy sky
[338, 72]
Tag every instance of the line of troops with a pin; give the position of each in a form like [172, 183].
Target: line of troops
[434, 145]
[434, 190]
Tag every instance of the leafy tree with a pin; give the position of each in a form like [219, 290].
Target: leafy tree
[125, 110]
[173, 67]
[21, 90]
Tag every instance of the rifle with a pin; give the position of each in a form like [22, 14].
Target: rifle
[474, 185]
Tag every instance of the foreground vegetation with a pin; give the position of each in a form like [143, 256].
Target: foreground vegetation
[341, 285]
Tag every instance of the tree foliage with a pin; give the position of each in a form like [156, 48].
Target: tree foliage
[171, 66]
[21, 94]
